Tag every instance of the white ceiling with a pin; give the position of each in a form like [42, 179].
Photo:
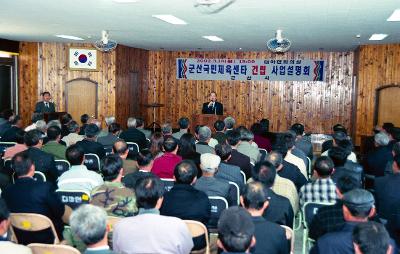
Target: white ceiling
[310, 24]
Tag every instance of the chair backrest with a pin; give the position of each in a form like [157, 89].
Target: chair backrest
[7, 169]
[4, 146]
[40, 248]
[92, 162]
[39, 176]
[31, 222]
[73, 198]
[62, 166]
[197, 229]
[108, 150]
[133, 147]
[289, 236]
[168, 183]
[244, 177]
[263, 154]
[218, 204]
[310, 209]
[234, 193]
[309, 168]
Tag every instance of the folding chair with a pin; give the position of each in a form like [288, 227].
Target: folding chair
[309, 167]
[168, 183]
[244, 176]
[309, 209]
[198, 230]
[40, 248]
[234, 194]
[31, 222]
[62, 166]
[73, 198]
[108, 150]
[133, 147]
[38, 176]
[290, 237]
[264, 154]
[92, 162]
[7, 169]
[218, 204]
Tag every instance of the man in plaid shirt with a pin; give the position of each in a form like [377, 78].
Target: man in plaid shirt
[322, 189]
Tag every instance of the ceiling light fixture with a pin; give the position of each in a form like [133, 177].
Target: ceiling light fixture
[213, 38]
[377, 37]
[125, 1]
[69, 37]
[170, 19]
[395, 16]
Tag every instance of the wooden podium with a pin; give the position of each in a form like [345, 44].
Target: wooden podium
[204, 119]
[53, 116]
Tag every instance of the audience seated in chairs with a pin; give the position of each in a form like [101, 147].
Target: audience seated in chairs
[53, 146]
[164, 166]
[89, 223]
[271, 237]
[111, 136]
[219, 134]
[74, 134]
[183, 127]
[19, 147]
[6, 245]
[204, 136]
[247, 146]
[89, 143]
[371, 238]
[375, 161]
[238, 159]
[187, 150]
[121, 148]
[113, 196]
[166, 234]
[280, 210]
[184, 201]
[236, 231]
[10, 134]
[78, 177]
[30, 196]
[134, 135]
[145, 162]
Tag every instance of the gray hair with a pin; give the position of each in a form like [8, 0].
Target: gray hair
[54, 123]
[204, 133]
[381, 139]
[41, 125]
[89, 223]
[275, 158]
[166, 128]
[229, 122]
[131, 123]
[109, 120]
[246, 135]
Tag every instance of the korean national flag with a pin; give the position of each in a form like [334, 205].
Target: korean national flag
[82, 58]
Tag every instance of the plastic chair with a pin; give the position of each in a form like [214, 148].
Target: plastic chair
[40, 248]
[108, 150]
[264, 154]
[234, 193]
[197, 229]
[38, 176]
[244, 176]
[309, 167]
[133, 147]
[168, 183]
[218, 204]
[73, 198]
[62, 166]
[92, 162]
[290, 237]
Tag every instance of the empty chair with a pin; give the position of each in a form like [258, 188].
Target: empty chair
[62, 166]
[263, 153]
[200, 237]
[234, 194]
[40, 248]
[218, 204]
[73, 198]
[168, 183]
[92, 162]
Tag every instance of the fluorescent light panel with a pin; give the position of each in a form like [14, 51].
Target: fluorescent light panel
[69, 37]
[170, 19]
[377, 37]
[213, 38]
[125, 1]
[395, 16]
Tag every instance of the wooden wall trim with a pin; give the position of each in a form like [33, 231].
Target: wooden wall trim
[377, 91]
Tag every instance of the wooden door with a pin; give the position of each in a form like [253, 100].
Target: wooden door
[388, 105]
[81, 98]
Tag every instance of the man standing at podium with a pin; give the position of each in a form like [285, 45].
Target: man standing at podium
[213, 107]
[45, 106]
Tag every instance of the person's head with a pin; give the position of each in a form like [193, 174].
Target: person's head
[298, 128]
[339, 137]
[280, 147]
[149, 192]
[224, 151]
[209, 163]
[265, 173]
[219, 125]
[46, 96]
[183, 123]
[145, 160]
[23, 165]
[338, 155]
[75, 155]
[371, 238]
[235, 230]
[255, 197]
[73, 127]
[387, 127]
[112, 168]
[131, 122]
[246, 135]
[16, 121]
[358, 205]
[109, 120]
[170, 145]
[257, 129]
[265, 124]
[91, 131]
[233, 137]
[289, 138]
[139, 122]
[33, 138]
[381, 139]
[339, 128]
[213, 96]
[166, 129]
[396, 164]
[187, 144]
[229, 122]
[121, 148]
[7, 114]
[19, 136]
[345, 184]
[204, 134]
[114, 128]
[55, 122]
[185, 172]
[84, 118]
[66, 118]
[323, 167]
[89, 223]
[36, 117]
[156, 143]
[276, 159]
[41, 126]
[54, 133]
[4, 217]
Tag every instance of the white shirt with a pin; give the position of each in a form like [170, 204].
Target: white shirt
[297, 162]
[352, 156]
[78, 177]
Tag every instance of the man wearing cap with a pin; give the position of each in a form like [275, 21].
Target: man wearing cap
[235, 231]
[89, 143]
[208, 183]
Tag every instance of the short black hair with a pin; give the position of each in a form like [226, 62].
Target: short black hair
[281, 148]
[114, 128]
[324, 166]
[36, 117]
[298, 128]
[265, 173]
[254, 195]
[112, 165]
[185, 171]
[183, 122]
[148, 190]
[338, 155]
[265, 124]
[371, 237]
[7, 113]
[21, 163]
[339, 127]
[66, 118]
[170, 144]
[144, 158]
[15, 119]
[289, 139]
[45, 92]
[72, 126]
[74, 155]
[120, 147]
[223, 151]
[347, 183]
[53, 132]
[257, 129]
[19, 136]
[4, 212]
[84, 118]
[187, 145]
[139, 121]
[219, 125]
[232, 137]
[32, 137]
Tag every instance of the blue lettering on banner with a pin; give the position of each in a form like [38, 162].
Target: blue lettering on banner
[228, 69]
[298, 70]
[243, 69]
[306, 70]
[290, 70]
[213, 69]
[285, 61]
[274, 70]
[198, 68]
[221, 69]
[272, 61]
[233, 77]
[248, 78]
[282, 70]
[206, 68]
[236, 69]
[278, 61]
[191, 68]
[298, 61]
[291, 61]
[266, 61]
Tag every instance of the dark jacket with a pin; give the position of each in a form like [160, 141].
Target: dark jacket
[41, 108]
[10, 134]
[219, 136]
[92, 147]
[292, 172]
[230, 173]
[279, 211]
[218, 109]
[187, 203]
[387, 194]
[44, 162]
[351, 169]
[375, 161]
[242, 161]
[134, 135]
[270, 237]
